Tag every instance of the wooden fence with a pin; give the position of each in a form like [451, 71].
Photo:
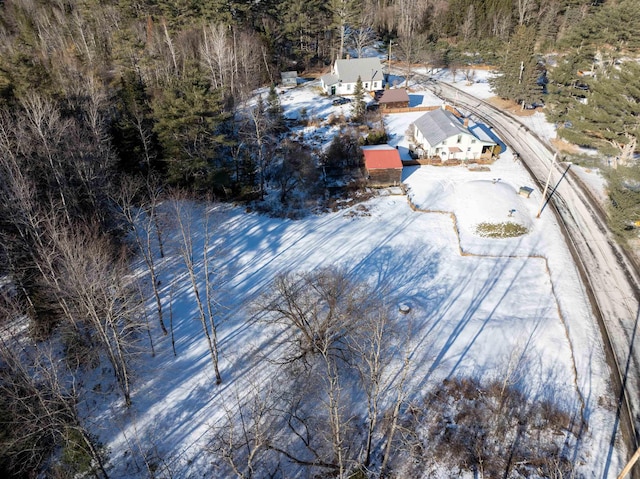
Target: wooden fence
[410, 109]
[437, 161]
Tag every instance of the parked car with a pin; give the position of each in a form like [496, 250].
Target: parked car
[341, 100]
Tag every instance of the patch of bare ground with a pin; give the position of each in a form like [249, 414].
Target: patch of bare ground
[564, 146]
[314, 72]
[511, 106]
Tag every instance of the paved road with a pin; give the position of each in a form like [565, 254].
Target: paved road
[610, 277]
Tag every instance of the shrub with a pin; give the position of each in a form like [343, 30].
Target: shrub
[343, 151]
[336, 120]
[488, 428]
[501, 230]
[376, 137]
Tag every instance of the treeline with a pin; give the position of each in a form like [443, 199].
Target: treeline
[161, 81]
[593, 97]
[594, 87]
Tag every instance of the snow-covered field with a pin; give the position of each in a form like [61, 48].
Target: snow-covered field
[476, 304]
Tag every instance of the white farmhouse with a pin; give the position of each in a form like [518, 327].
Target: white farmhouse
[441, 134]
[344, 75]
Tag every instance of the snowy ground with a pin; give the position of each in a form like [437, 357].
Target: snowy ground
[476, 303]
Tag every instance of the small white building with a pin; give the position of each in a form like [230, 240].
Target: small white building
[344, 75]
[441, 134]
[289, 79]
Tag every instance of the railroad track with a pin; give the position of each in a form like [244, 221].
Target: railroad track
[610, 275]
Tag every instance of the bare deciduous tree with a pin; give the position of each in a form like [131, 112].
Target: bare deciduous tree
[243, 438]
[184, 219]
[363, 35]
[40, 400]
[211, 281]
[336, 409]
[400, 399]
[170, 46]
[501, 25]
[469, 26]
[410, 42]
[319, 309]
[48, 127]
[250, 57]
[142, 219]
[525, 10]
[257, 132]
[94, 286]
[374, 352]
[335, 326]
[469, 75]
[217, 55]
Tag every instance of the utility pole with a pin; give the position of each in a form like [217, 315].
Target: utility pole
[388, 64]
[546, 186]
[630, 464]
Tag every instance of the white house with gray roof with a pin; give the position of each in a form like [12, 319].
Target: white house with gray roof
[441, 134]
[344, 75]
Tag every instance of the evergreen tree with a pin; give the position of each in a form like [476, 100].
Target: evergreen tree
[274, 111]
[132, 130]
[358, 106]
[566, 86]
[190, 121]
[519, 73]
[304, 23]
[609, 118]
[549, 26]
[614, 24]
[624, 196]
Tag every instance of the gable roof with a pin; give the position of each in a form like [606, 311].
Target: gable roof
[377, 157]
[396, 95]
[438, 125]
[329, 79]
[482, 133]
[368, 69]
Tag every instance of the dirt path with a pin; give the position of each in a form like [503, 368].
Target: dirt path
[511, 106]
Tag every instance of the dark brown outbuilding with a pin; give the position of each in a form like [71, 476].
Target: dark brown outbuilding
[396, 98]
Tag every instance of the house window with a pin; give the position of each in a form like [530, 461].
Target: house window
[437, 151]
[366, 86]
[444, 142]
[349, 87]
[459, 138]
[473, 141]
[468, 149]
